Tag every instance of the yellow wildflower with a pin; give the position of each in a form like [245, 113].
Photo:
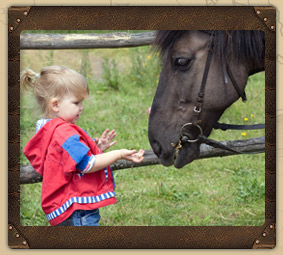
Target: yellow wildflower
[148, 57]
[246, 119]
[252, 116]
[244, 134]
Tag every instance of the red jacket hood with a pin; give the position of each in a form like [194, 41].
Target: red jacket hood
[36, 148]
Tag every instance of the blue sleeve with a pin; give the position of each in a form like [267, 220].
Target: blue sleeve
[78, 151]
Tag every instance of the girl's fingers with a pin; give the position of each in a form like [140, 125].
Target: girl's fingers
[139, 156]
[111, 144]
[112, 134]
[109, 135]
[131, 152]
[105, 132]
[138, 160]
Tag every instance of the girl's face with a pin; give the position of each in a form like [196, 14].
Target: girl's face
[69, 108]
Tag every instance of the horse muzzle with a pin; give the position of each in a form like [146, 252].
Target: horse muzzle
[187, 147]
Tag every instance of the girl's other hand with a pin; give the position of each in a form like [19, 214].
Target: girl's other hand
[104, 142]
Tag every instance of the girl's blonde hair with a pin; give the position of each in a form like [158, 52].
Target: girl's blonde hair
[54, 82]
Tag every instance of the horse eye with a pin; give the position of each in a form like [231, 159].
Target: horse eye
[182, 63]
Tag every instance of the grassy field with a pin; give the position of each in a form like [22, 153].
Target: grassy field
[228, 191]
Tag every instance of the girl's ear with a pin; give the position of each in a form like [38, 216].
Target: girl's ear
[54, 105]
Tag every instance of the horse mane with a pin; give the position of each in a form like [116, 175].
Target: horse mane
[242, 45]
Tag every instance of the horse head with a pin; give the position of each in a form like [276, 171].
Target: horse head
[177, 110]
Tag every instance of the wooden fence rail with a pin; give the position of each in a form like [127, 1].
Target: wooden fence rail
[256, 145]
[85, 41]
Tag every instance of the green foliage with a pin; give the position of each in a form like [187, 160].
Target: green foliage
[145, 67]
[247, 183]
[85, 69]
[110, 75]
[228, 191]
[31, 213]
[47, 59]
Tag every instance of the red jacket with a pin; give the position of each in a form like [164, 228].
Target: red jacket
[62, 152]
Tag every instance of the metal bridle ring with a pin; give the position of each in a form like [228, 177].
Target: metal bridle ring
[191, 124]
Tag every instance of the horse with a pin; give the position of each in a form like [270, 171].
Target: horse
[203, 73]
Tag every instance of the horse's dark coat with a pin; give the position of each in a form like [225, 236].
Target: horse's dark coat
[184, 54]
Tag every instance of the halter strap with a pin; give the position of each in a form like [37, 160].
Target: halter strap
[235, 84]
[224, 126]
[199, 101]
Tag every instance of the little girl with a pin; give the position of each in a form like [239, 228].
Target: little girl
[77, 179]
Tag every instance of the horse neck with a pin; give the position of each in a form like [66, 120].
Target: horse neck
[256, 69]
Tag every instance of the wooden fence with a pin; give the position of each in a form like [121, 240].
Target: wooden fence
[85, 41]
[255, 145]
[117, 40]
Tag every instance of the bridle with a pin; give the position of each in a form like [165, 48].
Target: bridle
[195, 127]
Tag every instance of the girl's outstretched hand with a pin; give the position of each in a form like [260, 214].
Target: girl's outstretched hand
[132, 155]
[104, 142]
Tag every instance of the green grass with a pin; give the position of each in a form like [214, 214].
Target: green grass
[228, 191]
